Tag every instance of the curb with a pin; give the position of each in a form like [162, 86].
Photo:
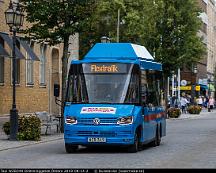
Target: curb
[19, 144]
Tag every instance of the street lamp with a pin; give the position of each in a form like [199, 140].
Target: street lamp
[193, 85]
[105, 39]
[14, 19]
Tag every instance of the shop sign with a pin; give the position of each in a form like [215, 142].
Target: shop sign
[197, 88]
[183, 82]
[188, 88]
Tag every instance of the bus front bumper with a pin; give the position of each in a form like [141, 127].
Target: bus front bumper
[118, 135]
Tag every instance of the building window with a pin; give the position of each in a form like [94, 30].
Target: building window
[1, 70]
[29, 67]
[1, 64]
[42, 64]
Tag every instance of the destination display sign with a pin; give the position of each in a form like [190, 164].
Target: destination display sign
[98, 110]
[106, 68]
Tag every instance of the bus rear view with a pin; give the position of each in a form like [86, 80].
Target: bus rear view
[105, 103]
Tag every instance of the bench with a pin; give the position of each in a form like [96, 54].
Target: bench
[48, 121]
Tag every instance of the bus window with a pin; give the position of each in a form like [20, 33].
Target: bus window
[133, 89]
[144, 87]
[76, 86]
[152, 90]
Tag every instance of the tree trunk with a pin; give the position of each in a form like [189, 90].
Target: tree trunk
[64, 79]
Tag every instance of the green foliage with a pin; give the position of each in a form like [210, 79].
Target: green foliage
[174, 112]
[194, 109]
[29, 128]
[54, 21]
[167, 28]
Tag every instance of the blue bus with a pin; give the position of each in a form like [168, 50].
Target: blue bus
[114, 97]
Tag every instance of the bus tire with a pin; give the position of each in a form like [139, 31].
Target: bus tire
[159, 136]
[135, 147]
[157, 140]
[70, 148]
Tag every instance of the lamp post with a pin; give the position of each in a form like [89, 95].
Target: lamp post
[14, 19]
[193, 85]
[209, 93]
[209, 90]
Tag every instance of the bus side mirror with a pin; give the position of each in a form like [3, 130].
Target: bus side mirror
[56, 90]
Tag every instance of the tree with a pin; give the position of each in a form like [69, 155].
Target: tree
[54, 21]
[173, 34]
[167, 28]
[103, 22]
[176, 25]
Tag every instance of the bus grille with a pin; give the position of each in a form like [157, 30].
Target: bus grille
[103, 121]
[100, 133]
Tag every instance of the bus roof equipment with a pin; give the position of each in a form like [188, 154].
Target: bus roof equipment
[122, 52]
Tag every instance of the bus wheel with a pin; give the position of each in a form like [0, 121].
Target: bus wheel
[135, 147]
[158, 137]
[157, 140]
[71, 148]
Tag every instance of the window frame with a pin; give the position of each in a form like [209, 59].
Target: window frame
[42, 81]
[29, 64]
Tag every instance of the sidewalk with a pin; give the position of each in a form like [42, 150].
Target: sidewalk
[203, 113]
[6, 144]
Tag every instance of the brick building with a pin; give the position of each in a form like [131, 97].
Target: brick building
[211, 60]
[197, 74]
[35, 79]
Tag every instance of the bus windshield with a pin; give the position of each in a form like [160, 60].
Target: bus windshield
[112, 83]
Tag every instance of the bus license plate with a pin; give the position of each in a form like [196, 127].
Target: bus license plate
[96, 139]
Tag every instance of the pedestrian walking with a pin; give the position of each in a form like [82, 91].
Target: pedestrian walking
[188, 97]
[200, 101]
[206, 102]
[211, 104]
[184, 103]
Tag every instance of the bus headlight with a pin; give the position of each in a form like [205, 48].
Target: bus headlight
[125, 120]
[70, 120]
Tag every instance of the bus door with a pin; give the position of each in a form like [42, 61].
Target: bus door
[151, 120]
[150, 99]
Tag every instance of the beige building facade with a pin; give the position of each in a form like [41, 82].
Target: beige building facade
[211, 33]
[35, 79]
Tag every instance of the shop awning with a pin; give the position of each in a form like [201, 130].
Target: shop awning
[28, 49]
[8, 40]
[3, 52]
[211, 87]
